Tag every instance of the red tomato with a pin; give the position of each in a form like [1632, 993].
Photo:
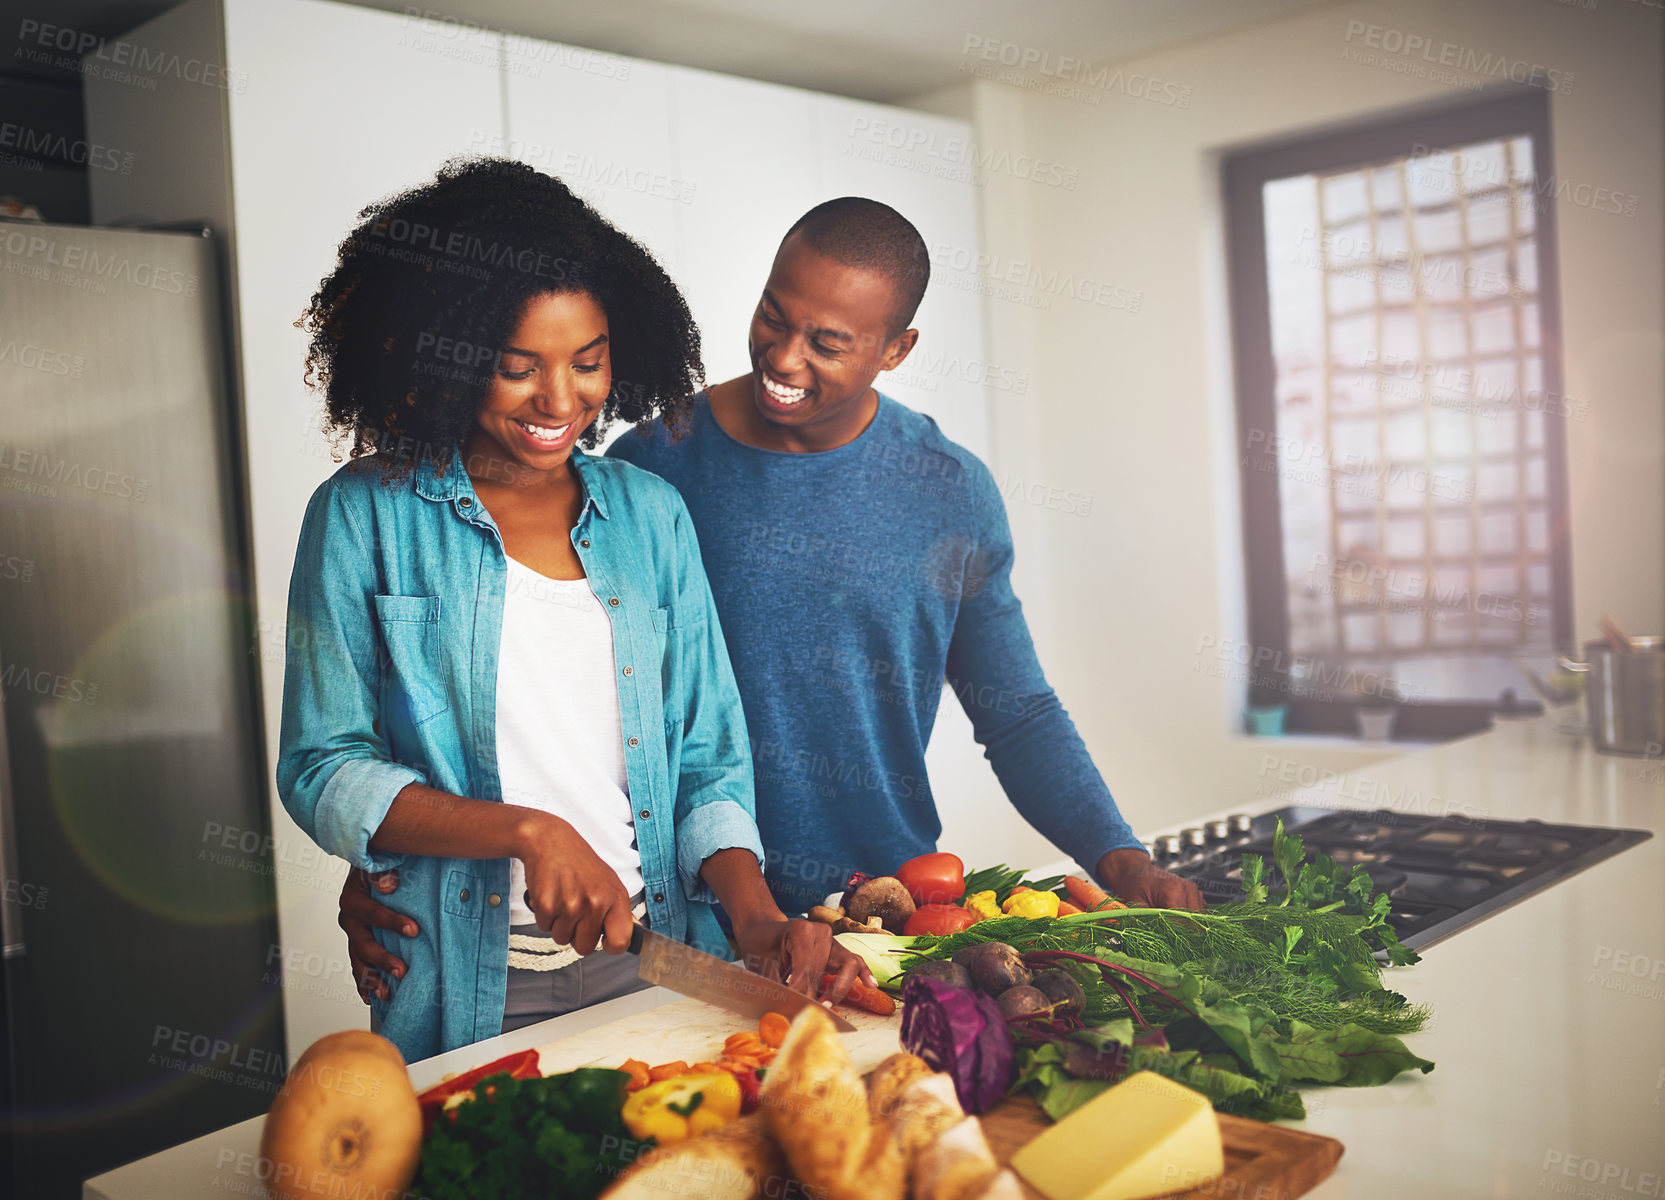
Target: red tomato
[933, 878]
[938, 919]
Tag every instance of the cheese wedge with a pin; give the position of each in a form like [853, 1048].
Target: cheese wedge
[1147, 1136]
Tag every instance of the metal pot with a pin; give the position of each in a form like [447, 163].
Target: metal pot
[1625, 693]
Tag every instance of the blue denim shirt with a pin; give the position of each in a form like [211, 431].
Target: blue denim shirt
[395, 625]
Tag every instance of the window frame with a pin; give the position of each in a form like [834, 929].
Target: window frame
[1243, 174]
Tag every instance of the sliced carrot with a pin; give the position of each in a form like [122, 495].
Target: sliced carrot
[639, 1074]
[668, 1070]
[704, 1068]
[772, 1028]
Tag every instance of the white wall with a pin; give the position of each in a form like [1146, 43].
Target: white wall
[331, 107]
[1137, 407]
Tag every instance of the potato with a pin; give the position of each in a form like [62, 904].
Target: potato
[345, 1122]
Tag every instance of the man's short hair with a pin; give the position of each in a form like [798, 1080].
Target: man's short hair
[863, 233]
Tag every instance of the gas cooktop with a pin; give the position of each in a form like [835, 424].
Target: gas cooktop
[1442, 873]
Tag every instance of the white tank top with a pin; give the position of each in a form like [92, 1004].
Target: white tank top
[560, 747]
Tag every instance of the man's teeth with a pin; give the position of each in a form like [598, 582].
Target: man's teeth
[783, 394]
[545, 433]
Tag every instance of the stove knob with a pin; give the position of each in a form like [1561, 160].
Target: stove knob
[1218, 831]
[1168, 846]
[1241, 823]
[1194, 838]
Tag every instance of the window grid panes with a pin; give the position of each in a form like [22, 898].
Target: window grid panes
[1409, 412]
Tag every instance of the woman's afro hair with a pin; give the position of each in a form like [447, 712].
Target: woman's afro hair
[406, 330]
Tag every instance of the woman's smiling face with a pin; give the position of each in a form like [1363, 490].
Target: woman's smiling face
[550, 382]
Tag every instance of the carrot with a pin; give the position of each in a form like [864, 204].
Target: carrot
[870, 999]
[640, 1075]
[1089, 896]
[1066, 909]
[772, 1029]
[704, 1068]
[667, 1070]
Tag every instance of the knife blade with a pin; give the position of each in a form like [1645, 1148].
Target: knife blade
[690, 972]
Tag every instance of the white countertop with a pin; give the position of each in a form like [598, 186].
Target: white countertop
[1549, 1027]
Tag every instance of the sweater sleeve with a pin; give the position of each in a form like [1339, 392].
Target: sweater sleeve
[1026, 734]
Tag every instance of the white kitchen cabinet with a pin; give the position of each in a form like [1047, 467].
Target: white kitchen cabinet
[603, 125]
[746, 147]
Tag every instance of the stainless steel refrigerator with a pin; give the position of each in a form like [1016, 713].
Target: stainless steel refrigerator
[140, 1008]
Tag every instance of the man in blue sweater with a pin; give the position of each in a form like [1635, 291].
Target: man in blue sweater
[858, 558]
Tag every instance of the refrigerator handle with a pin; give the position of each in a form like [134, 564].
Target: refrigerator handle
[11, 914]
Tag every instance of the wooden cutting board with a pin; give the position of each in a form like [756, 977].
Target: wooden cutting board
[1263, 1162]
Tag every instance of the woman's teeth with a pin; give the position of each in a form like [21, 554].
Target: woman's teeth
[782, 394]
[545, 433]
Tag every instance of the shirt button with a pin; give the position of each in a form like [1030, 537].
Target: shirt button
[494, 899]
[585, 542]
[635, 741]
[644, 814]
[627, 671]
[659, 897]
[613, 600]
[463, 895]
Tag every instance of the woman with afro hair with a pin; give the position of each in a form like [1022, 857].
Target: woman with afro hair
[505, 676]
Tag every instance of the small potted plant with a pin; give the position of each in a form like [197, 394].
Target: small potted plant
[1376, 711]
[1266, 720]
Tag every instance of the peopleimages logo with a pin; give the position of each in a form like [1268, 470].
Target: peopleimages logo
[970, 160]
[1431, 53]
[42, 144]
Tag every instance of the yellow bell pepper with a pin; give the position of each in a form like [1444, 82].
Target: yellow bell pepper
[1032, 904]
[981, 905]
[682, 1107]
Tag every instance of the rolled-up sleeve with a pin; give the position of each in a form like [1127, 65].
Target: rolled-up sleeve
[334, 773]
[715, 804]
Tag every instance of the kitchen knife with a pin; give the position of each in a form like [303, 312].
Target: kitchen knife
[690, 972]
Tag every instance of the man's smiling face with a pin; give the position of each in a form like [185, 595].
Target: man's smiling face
[821, 333]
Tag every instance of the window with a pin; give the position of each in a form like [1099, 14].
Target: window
[1401, 416]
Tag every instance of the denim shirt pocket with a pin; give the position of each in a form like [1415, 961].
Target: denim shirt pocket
[465, 894]
[677, 616]
[410, 634]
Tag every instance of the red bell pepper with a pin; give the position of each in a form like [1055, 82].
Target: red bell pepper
[521, 1065]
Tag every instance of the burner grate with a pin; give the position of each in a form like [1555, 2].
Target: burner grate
[1443, 873]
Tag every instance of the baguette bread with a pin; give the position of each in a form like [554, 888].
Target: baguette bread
[740, 1161]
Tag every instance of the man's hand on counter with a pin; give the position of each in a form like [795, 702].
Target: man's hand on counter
[1132, 878]
[360, 913]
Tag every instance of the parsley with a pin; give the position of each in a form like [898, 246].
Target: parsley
[560, 1135]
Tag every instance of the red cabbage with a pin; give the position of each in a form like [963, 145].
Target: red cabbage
[960, 1031]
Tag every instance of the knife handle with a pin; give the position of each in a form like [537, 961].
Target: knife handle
[635, 946]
